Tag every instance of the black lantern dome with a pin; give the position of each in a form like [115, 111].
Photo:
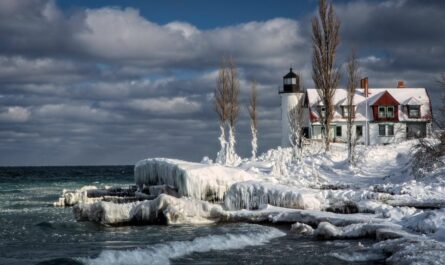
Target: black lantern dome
[291, 83]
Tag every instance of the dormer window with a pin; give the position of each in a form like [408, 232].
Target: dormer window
[390, 112]
[413, 111]
[322, 111]
[345, 111]
[386, 112]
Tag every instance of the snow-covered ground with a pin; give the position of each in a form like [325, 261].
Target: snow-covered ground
[321, 195]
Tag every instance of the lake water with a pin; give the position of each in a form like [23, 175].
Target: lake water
[32, 231]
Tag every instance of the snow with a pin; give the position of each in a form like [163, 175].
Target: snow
[320, 195]
[199, 181]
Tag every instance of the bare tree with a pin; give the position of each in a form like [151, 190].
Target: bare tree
[222, 109]
[253, 119]
[295, 116]
[325, 40]
[353, 77]
[233, 94]
[428, 153]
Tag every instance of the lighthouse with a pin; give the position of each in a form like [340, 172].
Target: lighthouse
[291, 95]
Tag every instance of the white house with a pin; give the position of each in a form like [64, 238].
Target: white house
[381, 115]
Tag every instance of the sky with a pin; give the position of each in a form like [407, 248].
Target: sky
[112, 82]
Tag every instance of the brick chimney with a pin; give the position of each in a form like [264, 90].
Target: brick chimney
[401, 84]
[365, 86]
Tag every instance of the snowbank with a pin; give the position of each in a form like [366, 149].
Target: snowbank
[196, 180]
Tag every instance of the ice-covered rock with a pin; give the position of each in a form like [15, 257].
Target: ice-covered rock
[302, 229]
[254, 194]
[164, 209]
[72, 197]
[199, 181]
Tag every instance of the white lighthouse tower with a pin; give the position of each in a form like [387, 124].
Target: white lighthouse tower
[291, 96]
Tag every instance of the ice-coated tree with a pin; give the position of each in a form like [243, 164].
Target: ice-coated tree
[295, 116]
[233, 103]
[353, 77]
[222, 109]
[227, 108]
[253, 119]
[325, 40]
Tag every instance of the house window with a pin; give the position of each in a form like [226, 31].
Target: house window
[338, 131]
[382, 130]
[386, 130]
[382, 112]
[359, 131]
[322, 111]
[390, 112]
[345, 111]
[386, 112]
[390, 130]
[414, 111]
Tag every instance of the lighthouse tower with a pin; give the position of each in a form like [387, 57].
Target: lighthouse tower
[291, 96]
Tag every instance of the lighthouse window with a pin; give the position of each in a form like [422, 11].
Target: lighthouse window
[293, 81]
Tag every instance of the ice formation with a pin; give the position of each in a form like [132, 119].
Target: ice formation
[196, 180]
[320, 195]
[165, 209]
[72, 197]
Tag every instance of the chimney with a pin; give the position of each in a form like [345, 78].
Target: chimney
[401, 84]
[364, 85]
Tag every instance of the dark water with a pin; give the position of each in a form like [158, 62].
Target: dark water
[35, 232]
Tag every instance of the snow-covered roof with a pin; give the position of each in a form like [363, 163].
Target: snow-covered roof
[406, 96]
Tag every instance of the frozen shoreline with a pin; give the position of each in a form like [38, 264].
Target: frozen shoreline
[321, 196]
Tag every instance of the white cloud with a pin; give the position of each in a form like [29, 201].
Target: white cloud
[73, 112]
[176, 105]
[15, 114]
[124, 34]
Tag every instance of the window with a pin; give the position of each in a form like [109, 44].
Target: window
[390, 112]
[345, 111]
[382, 130]
[382, 112]
[386, 130]
[414, 111]
[338, 131]
[390, 130]
[359, 131]
[322, 111]
[386, 112]
[290, 81]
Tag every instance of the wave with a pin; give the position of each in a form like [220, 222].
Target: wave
[162, 253]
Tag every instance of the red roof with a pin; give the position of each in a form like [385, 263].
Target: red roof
[386, 100]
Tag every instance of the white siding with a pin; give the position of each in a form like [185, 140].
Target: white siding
[288, 101]
[375, 138]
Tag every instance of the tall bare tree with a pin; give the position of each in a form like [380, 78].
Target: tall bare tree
[253, 119]
[222, 109]
[325, 40]
[353, 77]
[233, 89]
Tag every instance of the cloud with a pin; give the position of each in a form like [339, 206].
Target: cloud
[176, 105]
[108, 85]
[15, 114]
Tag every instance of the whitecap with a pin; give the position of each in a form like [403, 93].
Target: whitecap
[163, 253]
